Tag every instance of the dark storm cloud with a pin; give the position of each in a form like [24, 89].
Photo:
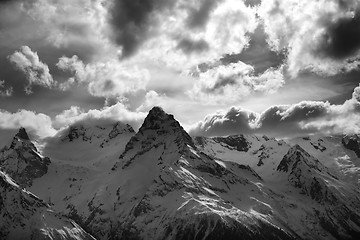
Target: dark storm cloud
[322, 37]
[221, 83]
[200, 16]
[7, 1]
[252, 3]
[108, 85]
[257, 54]
[189, 46]
[342, 38]
[131, 20]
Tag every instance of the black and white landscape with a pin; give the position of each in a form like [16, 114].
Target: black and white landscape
[159, 183]
[180, 119]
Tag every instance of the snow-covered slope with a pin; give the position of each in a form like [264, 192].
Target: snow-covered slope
[93, 143]
[261, 153]
[337, 153]
[162, 187]
[335, 208]
[24, 216]
[161, 184]
[81, 157]
[22, 160]
[307, 192]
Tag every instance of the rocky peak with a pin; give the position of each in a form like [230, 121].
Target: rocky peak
[160, 123]
[22, 141]
[22, 161]
[158, 129]
[75, 132]
[237, 142]
[157, 119]
[307, 174]
[22, 134]
[120, 128]
[294, 156]
[352, 142]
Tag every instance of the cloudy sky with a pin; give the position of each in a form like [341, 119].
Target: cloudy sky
[275, 67]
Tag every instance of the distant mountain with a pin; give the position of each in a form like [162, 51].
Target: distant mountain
[160, 183]
[22, 160]
[352, 142]
[94, 143]
[308, 191]
[24, 216]
[337, 153]
[261, 153]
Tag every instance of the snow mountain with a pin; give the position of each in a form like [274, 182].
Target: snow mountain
[352, 142]
[261, 153]
[311, 195]
[22, 160]
[337, 153]
[25, 216]
[159, 183]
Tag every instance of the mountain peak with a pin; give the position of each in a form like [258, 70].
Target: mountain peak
[22, 134]
[157, 111]
[294, 155]
[158, 129]
[156, 117]
[352, 142]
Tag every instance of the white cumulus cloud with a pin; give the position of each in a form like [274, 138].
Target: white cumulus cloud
[36, 72]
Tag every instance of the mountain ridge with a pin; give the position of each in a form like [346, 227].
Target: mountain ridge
[166, 185]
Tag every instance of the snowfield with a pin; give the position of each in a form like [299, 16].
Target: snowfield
[160, 183]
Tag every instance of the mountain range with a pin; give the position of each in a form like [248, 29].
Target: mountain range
[102, 180]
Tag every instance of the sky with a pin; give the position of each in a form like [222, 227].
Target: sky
[275, 67]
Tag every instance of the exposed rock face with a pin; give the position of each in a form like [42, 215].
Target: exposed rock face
[158, 130]
[24, 216]
[22, 161]
[238, 142]
[22, 134]
[305, 172]
[92, 134]
[120, 128]
[313, 179]
[352, 142]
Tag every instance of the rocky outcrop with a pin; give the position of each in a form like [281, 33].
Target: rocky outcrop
[22, 161]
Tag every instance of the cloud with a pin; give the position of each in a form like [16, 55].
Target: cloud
[306, 117]
[199, 16]
[37, 124]
[356, 94]
[71, 27]
[188, 33]
[116, 112]
[189, 46]
[104, 79]
[5, 92]
[231, 83]
[235, 120]
[152, 99]
[132, 21]
[319, 36]
[6, 1]
[37, 72]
